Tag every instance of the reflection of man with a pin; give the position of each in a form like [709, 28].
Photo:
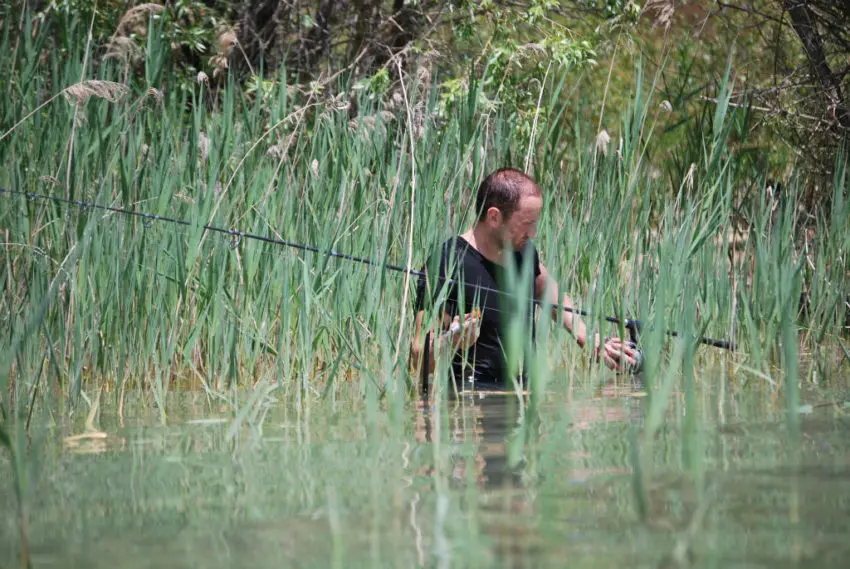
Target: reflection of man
[479, 429]
[509, 204]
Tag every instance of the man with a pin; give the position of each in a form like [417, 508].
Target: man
[509, 204]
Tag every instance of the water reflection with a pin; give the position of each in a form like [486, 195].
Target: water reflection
[482, 423]
[472, 482]
[499, 500]
[495, 446]
[491, 421]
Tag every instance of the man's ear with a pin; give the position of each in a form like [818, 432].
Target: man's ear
[494, 216]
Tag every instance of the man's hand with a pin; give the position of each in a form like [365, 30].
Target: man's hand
[458, 335]
[463, 335]
[618, 354]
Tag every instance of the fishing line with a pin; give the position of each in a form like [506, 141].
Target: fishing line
[634, 326]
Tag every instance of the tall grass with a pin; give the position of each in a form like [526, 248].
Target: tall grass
[97, 304]
[152, 307]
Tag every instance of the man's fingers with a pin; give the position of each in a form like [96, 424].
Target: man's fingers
[616, 349]
[470, 330]
[611, 363]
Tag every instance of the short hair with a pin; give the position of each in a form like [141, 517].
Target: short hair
[503, 189]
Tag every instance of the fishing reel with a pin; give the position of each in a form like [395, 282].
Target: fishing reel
[636, 367]
[633, 326]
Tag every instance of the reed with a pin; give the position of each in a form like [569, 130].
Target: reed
[151, 307]
[101, 307]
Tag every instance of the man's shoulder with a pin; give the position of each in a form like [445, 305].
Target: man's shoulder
[454, 246]
[450, 254]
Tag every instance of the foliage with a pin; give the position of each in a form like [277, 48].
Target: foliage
[510, 47]
[796, 118]
[117, 301]
[190, 29]
[102, 306]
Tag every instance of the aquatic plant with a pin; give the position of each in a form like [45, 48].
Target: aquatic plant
[150, 306]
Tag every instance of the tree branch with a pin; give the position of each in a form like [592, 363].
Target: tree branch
[803, 23]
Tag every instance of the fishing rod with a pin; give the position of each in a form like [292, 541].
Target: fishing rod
[634, 326]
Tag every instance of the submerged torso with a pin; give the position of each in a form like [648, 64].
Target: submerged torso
[482, 284]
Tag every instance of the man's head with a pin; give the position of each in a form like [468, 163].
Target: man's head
[509, 205]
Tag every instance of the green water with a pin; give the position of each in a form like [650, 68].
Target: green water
[434, 486]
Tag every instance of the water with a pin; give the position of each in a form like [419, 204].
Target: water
[462, 485]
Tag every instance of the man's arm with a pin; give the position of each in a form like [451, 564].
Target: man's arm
[570, 320]
[614, 352]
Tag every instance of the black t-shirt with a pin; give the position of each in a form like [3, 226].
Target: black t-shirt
[485, 361]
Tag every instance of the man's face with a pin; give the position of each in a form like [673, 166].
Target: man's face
[522, 225]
